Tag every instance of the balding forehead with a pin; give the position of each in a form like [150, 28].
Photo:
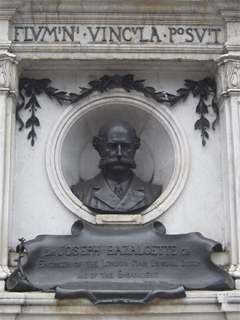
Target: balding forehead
[118, 133]
[117, 126]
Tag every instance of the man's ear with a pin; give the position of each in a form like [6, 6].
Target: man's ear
[96, 143]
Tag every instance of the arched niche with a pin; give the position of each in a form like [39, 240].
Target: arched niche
[163, 157]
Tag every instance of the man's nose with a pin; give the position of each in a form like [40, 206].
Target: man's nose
[119, 151]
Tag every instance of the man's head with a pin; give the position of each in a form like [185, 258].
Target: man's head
[116, 144]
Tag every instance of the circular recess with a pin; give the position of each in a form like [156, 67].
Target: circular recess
[163, 157]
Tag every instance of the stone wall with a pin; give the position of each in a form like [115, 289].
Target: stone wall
[164, 43]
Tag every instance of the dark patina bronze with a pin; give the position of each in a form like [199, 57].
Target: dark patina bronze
[116, 189]
[29, 89]
[111, 266]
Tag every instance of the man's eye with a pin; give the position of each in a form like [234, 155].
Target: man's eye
[111, 146]
[126, 145]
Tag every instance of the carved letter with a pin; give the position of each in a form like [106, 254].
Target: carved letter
[71, 35]
[172, 32]
[189, 33]
[36, 35]
[17, 33]
[200, 37]
[26, 35]
[155, 34]
[112, 31]
[50, 32]
[104, 34]
[124, 36]
[94, 36]
[141, 35]
[216, 34]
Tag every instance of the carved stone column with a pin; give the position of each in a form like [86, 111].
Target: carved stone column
[229, 103]
[8, 85]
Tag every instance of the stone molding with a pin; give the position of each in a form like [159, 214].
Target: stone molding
[229, 69]
[228, 80]
[229, 104]
[210, 304]
[229, 9]
[8, 88]
[8, 73]
[69, 52]
[109, 8]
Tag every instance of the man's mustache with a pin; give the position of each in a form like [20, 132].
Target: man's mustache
[104, 162]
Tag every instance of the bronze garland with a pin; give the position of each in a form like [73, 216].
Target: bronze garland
[31, 88]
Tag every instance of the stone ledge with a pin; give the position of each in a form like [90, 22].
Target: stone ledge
[203, 302]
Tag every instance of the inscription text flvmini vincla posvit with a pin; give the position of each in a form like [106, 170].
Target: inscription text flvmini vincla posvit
[130, 34]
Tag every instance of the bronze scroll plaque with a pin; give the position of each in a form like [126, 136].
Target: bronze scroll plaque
[133, 265]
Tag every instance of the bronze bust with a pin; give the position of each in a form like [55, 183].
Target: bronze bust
[116, 189]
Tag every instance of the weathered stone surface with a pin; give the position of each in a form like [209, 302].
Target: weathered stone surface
[211, 195]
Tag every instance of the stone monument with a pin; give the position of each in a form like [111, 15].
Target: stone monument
[74, 44]
[127, 266]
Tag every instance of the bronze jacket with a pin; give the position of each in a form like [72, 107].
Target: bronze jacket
[98, 196]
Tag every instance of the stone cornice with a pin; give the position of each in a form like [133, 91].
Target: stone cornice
[229, 9]
[9, 56]
[227, 5]
[8, 8]
[181, 52]
[227, 57]
[143, 11]
[137, 11]
[8, 63]
[112, 6]
[116, 18]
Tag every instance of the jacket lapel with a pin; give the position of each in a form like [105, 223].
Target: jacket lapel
[134, 195]
[104, 193]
